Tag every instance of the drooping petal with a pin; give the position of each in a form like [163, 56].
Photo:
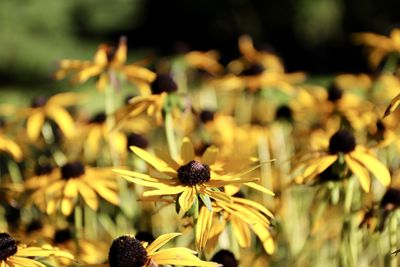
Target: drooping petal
[34, 124]
[88, 195]
[62, 118]
[242, 232]
[373, 165]
[187, 198]
[360, 172]
[203, 226]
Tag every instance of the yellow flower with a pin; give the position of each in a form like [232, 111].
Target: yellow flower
[71, 181]
[194, 184]
[207, 61]
[379, 45]
[14, 255]
[106, 61]
[257, 70]
[342, 148]
[128, 251]
[188, 178]
[53, 108]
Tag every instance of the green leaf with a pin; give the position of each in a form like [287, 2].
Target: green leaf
[207, 201]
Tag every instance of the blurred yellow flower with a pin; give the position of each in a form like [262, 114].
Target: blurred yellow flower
[53, 108]
[14, 255]
[72, 180]
[106, 61]
[379, 45]
[342, 147]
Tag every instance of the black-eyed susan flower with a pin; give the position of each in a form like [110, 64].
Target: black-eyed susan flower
[191, 182]
[72, 180]
[127, 251]
[14, 255]
[106, 63]
[188, 178]
[379, 45]
[343, 154]
[53, 108]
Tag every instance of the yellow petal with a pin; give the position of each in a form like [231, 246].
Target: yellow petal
[242, 232]
[62, 118]
[167, 158]
[165, 191]
[83, 75]
[317, 166]
[11, 147]
[88, 195]
[34, 124]
[152, 160]
[106, 193]
[161, 241]
[65, 99]
[203, 226]
[210, 155]
[179, 256]
[360, 172]
[260, 188]
[373, 165]
[187, 151]
[187, 198]
[254, 204]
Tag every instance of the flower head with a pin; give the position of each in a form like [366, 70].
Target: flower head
[341, 155]
[127, 251]
[14, 255]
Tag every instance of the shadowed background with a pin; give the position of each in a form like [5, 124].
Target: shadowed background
[310, 35]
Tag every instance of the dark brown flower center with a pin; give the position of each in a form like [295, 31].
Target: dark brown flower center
[334, 93]
[43, 169]
[38, 101]
[127, 251]
[342, 141]
[136, 140]
[163, 83]
[8, 246]
[194, 173]
[253, 70]
[98, 118]
[206, 116]
[61, 236]
[391, 199]
[284, 113]
[72, 170]
[226, 258]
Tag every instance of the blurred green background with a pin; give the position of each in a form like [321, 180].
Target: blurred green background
[310, 35]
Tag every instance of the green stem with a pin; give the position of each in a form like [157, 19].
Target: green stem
[78, 220]
[109, 98]
[169, 132]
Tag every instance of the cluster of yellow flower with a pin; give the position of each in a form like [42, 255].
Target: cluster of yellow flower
[104, 183]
